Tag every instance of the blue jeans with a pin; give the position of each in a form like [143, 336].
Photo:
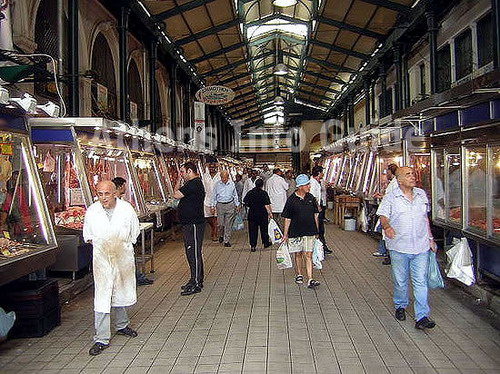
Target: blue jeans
[404, 265]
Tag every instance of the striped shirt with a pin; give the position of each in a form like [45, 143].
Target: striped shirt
[408, 219]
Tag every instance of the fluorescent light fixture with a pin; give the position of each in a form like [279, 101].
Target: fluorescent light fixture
[278, 100]
[284, 3]
[281, 69]
[26, 103]
[144, 8]
[4, 96]
[51, 109]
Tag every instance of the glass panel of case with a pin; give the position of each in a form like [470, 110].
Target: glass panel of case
[356, 161]
[24, 225]
[335, 165]
[108, 163]
[149, 178]
[476, 187]
[345, 171]
[438, 202]
[385, 159]
[361, 167]
[421, 163]
[453, 186]
[495, 189]
[61, 184]
[166, 176]
[369, 175]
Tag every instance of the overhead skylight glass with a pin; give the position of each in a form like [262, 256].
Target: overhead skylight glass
[277, 25]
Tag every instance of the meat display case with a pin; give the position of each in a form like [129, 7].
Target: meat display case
[27, 239]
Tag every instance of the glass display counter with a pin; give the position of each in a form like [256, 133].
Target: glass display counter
[386, 158]
[334, 169]
[26, 233]
[369, 178]
[475, 188]
[345, 171]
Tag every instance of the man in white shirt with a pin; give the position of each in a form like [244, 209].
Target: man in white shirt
[210, 177]
[276, 188]
[266, 174]
[320, 194]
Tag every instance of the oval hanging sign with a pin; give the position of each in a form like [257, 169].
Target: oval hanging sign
[215, 95]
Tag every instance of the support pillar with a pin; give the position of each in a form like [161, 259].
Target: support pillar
[383, 89]
[432, 31]
[346, 120]
[495, 5]
[73, 63]
[406, 83]
[153, 55]
[399, 77]
[366, 88]
[173, 100]
[123, 61]
[352, 125]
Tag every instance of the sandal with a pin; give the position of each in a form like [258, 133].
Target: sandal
[313, 283]
[299, 279]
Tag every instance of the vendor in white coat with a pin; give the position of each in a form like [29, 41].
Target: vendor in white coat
[209, 178]
[112, 226]
[277, 188]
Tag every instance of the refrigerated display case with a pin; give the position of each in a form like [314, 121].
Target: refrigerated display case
[27, 239]
[345, 171]
[334, 169]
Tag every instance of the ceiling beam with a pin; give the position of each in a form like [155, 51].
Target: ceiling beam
[242, 103]
[331, 65]
[348, 27]
[389, 5]
[217, 53]
[275, 16]
[335, 48]
[210, 31]
[327, 89]
[180, 9]
[325, 77]
[235, 64]
[308, 92]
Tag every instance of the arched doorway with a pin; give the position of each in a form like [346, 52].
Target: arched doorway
[104, 101]
[136, 93]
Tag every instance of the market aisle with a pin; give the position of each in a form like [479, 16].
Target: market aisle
[251, 317]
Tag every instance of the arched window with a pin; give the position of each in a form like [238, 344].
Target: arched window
[47, 42]
[136, 93]
[104, 83]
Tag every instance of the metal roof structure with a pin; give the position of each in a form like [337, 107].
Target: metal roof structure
[325, 44]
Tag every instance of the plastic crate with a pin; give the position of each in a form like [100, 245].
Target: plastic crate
[36, 327]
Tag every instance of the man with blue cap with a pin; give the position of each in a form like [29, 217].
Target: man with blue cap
[301, 228]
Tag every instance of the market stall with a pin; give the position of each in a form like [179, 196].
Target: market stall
[27, 239]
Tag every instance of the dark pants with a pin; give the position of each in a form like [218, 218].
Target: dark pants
[321, 227]
[253, 232]
[193, 242]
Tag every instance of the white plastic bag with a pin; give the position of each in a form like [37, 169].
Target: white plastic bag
[460, 262]
[363, 219]
[283, 259]
[274, 232]
[6, 322]
[318, 254]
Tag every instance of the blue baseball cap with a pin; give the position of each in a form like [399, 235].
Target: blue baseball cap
[302, 180]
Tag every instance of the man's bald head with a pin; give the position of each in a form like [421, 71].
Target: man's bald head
[106, 192]
[224, 176]
[406, 177]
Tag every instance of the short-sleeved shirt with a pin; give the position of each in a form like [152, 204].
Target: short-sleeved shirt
[301, 213]
[408, 219]
[191, 205]
[256, 200]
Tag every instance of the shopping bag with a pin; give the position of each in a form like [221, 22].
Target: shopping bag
[274, 232]
[6, 322]
[460, 262]
[283, 259]
[318, 254]
[363, 219]
[238, 223]
[434, 278]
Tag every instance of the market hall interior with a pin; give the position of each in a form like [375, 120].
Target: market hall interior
[134, 133]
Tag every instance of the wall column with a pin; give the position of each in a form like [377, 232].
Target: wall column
[366, 89]
[123, 60]
[173, 99]
[383, 89]
[399, 77]
[495, 5]
[153, 55]
[432, 31]
[73, 63]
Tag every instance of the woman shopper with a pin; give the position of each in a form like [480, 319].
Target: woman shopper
[301, 228]
[259, 213]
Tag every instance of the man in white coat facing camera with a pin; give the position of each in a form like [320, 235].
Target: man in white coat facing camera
[276, 188]
[112, 226]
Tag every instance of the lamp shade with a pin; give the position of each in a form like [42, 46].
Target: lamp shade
[278, 100]
[280, 69]
[284, 3]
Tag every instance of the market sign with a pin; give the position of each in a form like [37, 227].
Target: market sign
[215, 95]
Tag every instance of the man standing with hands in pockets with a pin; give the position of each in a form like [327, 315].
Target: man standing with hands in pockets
[403, 216]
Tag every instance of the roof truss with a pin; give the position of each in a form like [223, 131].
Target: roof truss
[180, 9]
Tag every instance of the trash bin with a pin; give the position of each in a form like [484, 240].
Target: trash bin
[330, 205]
[349, 223]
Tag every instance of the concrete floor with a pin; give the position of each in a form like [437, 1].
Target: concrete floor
[252, 317]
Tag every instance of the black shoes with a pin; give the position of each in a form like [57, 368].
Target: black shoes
[128, 332]
[387, 261]
[312, 283]
[190, 290]
[97, 348]
[400, 314]
[142, 280]
[221, 239]
[253, 249]
[424, 323]
[227, 244]
[267, 245]
[190, 285]
[327, 251]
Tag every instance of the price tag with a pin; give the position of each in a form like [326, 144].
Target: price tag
[6, 235]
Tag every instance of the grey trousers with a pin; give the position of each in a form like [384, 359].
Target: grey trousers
[103, 324]
[226, 213]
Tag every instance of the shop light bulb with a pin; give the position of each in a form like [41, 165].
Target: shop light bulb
[284, 3]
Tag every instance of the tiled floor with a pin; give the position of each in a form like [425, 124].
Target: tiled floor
[251, 317]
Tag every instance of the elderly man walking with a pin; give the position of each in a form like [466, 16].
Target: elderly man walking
[112, 226]
[277, 188]
[225, 202]
[403, 215]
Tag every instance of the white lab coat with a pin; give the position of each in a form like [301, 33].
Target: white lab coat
[208, 183]
[316, 190]
[113, 254]
[276, 188]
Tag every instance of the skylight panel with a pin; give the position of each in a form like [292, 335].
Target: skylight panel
[277, 25]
